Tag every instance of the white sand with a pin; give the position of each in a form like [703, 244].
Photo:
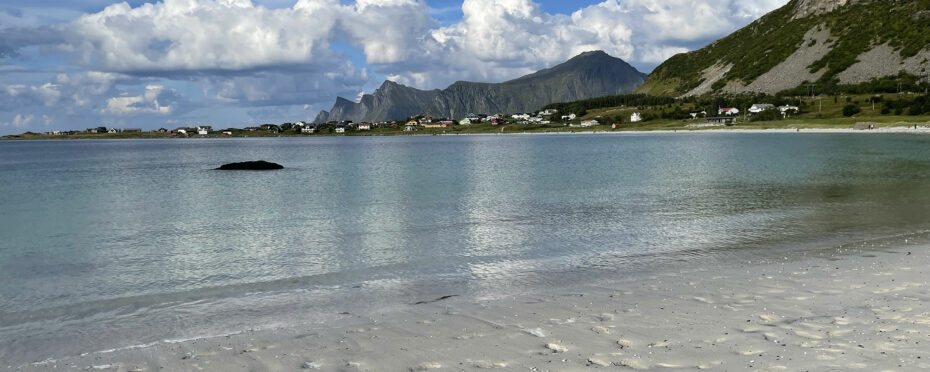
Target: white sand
[923, 128]
[843, 310]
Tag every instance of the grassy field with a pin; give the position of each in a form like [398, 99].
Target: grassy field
[818, 113]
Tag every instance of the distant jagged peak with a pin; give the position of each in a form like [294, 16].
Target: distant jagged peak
[807, 8]
[388, 84]
[587, 75]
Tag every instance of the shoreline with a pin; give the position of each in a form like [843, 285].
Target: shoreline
[880, 130]
[889, 130]
[853, 307]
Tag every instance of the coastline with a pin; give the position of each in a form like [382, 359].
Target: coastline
[510, 130]
[856, 307]
[886, 125]
[886, 130]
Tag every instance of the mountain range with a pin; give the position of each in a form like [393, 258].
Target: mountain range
[588, 75]
[806, 44]
[815, 45]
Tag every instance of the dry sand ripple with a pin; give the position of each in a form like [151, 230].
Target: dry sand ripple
[843, 313]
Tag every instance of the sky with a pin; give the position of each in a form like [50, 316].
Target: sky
[233, 63]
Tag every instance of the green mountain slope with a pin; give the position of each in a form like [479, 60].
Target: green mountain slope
[824, 42]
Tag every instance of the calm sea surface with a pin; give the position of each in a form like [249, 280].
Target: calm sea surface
[115, 243]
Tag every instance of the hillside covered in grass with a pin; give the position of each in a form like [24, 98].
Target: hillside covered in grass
[820, 45]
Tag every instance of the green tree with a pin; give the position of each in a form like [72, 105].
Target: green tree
[850, 110]
[767, 115]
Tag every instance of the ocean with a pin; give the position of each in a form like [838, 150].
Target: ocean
[108, 244]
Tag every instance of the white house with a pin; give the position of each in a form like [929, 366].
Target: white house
[410, 128]
[589, 123]
[465, 121]
[788, 110]
[340, 129]
[728, 111]
[695, 115]
[636, 118]
[308, 129]
[569, 117]
[521, 116]
[759, 107]
[548, 112]
[202, 131]
[364, 126]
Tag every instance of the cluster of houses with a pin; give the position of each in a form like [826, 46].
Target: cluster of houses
[585, 124]
[500, 119]
[725, 116]
[415, 123]
[112, 130]
[758, 108]
[183, 131]
[728, 115]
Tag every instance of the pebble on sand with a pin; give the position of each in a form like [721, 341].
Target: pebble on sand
[556, 348]
[427, 366]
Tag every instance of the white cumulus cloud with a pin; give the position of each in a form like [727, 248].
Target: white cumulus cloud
[154, 100]
[19, 121]
[495, 39]
[502, 39]
[18, 95]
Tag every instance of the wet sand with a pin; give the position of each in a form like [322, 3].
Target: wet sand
[843, 309]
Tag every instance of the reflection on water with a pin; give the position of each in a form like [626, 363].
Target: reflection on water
[126, 241]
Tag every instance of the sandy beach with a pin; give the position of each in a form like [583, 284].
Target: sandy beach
[860, 307]
[921, 130]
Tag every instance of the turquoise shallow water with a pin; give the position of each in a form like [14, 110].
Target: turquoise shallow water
[114, 243]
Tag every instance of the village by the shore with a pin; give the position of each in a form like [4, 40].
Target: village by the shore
[545, 121]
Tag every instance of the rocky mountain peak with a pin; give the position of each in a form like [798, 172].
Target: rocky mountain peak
[593, 53]
[588, 75]
[388, 85]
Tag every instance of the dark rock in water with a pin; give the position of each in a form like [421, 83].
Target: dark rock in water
[251, 165]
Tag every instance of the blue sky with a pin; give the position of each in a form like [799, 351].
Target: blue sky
[232, 63]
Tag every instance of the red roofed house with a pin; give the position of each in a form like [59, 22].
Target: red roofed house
[728, 111]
